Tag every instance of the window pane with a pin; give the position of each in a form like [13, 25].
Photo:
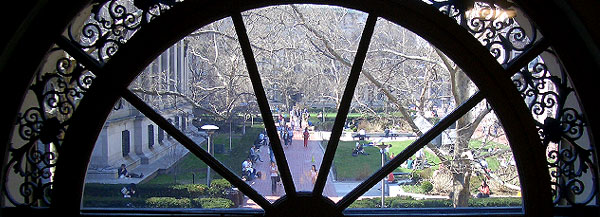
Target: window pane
[304, 55]
[405, 87]
[164, 176]
[469, 165]
[213, 88]
[503, 29]
[125, 143]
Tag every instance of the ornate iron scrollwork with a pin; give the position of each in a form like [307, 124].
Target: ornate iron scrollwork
[112, 23]
[493, 24]
[41, 126]
[41, 129]
[561, 128]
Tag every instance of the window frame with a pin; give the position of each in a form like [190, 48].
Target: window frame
[125, 143]
[107, 100]
[412, 19]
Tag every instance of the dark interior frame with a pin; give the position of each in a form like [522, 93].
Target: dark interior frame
[421, 20]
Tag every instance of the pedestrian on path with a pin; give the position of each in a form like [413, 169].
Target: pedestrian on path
[290, 135]
[285, 136]
[313, 174]
[274, 178]
[306, 135]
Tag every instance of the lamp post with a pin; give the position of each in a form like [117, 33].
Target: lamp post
[382, 150]
[210, 129]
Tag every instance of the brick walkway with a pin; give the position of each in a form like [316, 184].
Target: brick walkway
[300, 160]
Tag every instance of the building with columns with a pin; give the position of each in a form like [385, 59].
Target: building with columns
[130, 138]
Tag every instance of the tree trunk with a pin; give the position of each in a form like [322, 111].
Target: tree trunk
[461, 188]
[244, 125]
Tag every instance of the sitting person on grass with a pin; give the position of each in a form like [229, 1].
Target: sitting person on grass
[484, 190]
[128, 191]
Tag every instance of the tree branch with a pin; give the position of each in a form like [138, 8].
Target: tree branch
[387, 93]
[177, 94]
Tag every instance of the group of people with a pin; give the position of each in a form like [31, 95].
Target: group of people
[286, 131]
[130, 189]
[359, 149]
[298, 119]
[287, 134]
[249, 172]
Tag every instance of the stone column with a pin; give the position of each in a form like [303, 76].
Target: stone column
[138, 139]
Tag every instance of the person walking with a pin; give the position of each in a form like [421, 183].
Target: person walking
[274, 178]
[306, 135]
[285, 136]
[313, 174]
[290, 135]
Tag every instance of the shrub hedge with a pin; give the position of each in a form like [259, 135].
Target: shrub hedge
[426, 186]
[407, 202]
[212, 202]
[168, 202]
[219, 187]
[147, 190]
[114, 202]
[160, 196]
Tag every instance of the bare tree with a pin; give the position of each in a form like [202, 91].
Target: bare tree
[415, 75]
[304, 55]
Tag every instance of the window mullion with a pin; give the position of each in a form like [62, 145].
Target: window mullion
[410, 150]
[90, 63]
[344, 106]
[206, 157]
[263, 104]
[522, 60]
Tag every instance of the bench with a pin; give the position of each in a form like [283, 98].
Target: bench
[391, 134]
[356, 135]
[403, 178]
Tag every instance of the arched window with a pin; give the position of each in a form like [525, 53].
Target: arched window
[459, 61]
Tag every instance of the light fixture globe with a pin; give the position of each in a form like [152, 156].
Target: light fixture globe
[209, 128]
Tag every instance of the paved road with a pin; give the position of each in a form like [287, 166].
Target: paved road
[300, 160]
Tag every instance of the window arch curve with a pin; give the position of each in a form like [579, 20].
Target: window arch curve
[437, 28]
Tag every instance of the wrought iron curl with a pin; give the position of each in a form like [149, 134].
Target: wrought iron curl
[41, 127]
[573, 123]
[30, 123]
[492, 25]
[560, 130]
[112, 23]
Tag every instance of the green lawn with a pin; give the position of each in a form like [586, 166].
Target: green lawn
[355, 168]
[348, 167]
[192, 167]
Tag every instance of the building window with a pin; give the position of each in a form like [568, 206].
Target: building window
[183, 123]
[161, 136]
[150, 136]
[125, 143]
